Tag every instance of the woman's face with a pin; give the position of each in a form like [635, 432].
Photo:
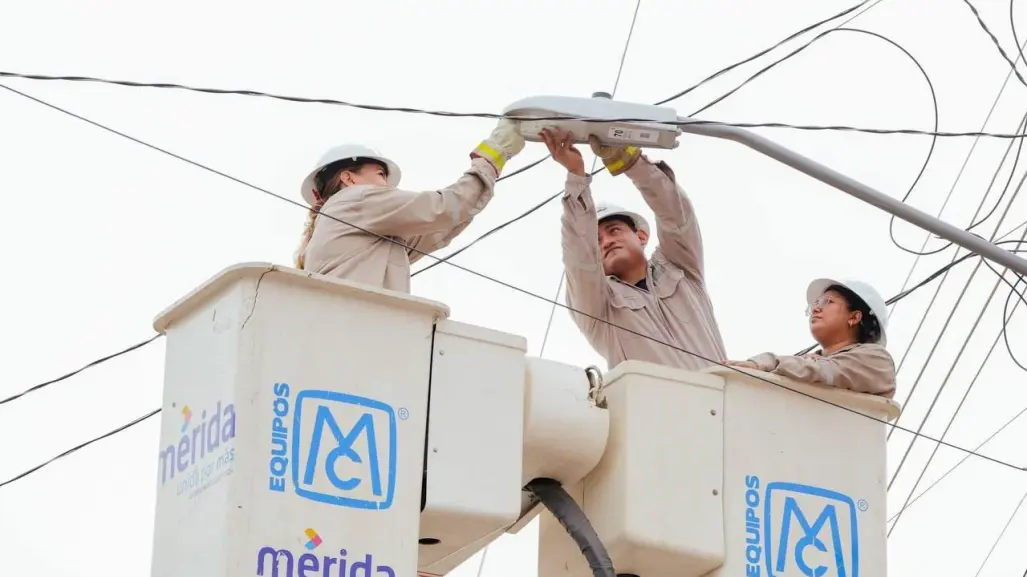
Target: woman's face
[369, 173]
[830, 317]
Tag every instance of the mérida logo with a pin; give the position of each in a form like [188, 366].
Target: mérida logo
[319, 560]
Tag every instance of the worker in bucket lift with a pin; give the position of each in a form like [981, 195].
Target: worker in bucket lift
[848, 320]
[356, 192]
[609, 278]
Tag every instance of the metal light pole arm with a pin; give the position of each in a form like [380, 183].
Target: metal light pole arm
[859, 190]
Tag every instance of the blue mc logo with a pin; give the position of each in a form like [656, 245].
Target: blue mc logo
[806, 531]
[338, 448]
[801, 519]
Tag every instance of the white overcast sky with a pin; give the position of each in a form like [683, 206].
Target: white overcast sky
[98, 234]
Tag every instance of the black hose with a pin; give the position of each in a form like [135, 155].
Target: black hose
[573, 519]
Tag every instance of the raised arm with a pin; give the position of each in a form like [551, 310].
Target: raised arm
[391, 211]
[677, 230]
[587, 289]
[866, 368]
[429, 220]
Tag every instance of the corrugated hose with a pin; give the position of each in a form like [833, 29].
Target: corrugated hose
[569, 514]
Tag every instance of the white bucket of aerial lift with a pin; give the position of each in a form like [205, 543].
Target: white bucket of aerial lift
[869, 294]
[645, 126]
[719, 474]
[293, 426]
[342, 152]
[606, 210]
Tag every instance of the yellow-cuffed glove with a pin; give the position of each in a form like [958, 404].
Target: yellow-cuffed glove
[504, 143]
[616, 159]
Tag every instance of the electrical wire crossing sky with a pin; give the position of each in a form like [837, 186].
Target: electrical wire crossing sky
[140, 201]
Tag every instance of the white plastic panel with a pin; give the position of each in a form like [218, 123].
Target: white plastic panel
[653, 130]
[475, 435]
[318, 455]
[804, 489]
[655, 497]
[200, 372]
[564, 432]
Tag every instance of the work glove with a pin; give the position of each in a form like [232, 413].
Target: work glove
[504, 143]
[617, 159]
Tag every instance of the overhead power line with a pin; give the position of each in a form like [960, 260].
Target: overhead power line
[494, 116]
[955, 259]
[942, 332]
[995, 41]
[943, 270]
[909, 503]
[77, 371]
[79, 447]
[974, 220]
[1006, 316]
[965, 338]
[495, 281]
[1001, 533]
[778, 44]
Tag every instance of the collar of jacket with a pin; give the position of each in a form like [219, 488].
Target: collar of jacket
[652, 274]
[820, 352]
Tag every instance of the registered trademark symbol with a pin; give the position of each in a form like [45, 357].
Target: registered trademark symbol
[862, 504]
[404, 414]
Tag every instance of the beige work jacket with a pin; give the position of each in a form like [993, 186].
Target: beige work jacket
[424, 221]
[863, 368]
[675, 310]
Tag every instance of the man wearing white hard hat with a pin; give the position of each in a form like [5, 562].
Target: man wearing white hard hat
[356, 207]
[609, 278]
[848, 319]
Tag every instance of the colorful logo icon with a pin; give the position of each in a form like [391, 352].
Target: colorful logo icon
[315, 539]
[186, 415]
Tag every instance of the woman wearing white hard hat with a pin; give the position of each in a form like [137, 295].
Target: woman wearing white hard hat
[356, 207]
[848, 319]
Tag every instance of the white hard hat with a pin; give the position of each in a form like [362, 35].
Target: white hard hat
[878, 307]
[604, 210]
[342, 152]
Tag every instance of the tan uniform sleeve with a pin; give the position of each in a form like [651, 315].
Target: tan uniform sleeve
[426, 220]
[677, 230]
[868, 368]
[587, 289]
[432, 242]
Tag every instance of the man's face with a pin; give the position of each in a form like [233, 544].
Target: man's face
[622, 248]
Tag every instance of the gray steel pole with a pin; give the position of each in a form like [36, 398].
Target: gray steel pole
[859, 190]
